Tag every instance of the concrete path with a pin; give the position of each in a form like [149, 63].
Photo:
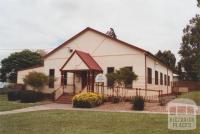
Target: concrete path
[56, 106]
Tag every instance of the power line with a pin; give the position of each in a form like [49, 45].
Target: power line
[13, 49]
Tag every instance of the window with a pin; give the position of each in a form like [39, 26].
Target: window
[110, 70]
[51, 75]
[168, 80]
[156, 77]
[65, 78]
[165, 79]
[161, 79]
[149, 71]
[129, 82]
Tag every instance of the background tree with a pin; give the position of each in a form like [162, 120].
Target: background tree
[41, 52]
[190, 48]
[111, 33]
[17, 61]
[198, 66]
[167, 57]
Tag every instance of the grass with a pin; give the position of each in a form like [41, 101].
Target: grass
[6, 105]
[83, 122]
[195, 96]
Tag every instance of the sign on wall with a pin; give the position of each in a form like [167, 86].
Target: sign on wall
[100, 78]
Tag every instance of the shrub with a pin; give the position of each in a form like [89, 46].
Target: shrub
[123, 75]
[36, 80]
[138, 103]
[115, 99]
[28, 96]
[87, 100]
[14, 95]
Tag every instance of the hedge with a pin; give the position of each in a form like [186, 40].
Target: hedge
[138, 103]
[13, 95]
[31, 96]
[25, 96]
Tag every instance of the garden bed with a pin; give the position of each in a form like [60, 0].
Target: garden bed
[127, 106]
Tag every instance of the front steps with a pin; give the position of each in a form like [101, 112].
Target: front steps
[65, 99]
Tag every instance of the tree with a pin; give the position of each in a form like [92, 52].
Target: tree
[36, 80]
[41, 52]
[111, 33]
[198, 66]
[190, 48]
[17, 61]
[167, 57]
[124, 75]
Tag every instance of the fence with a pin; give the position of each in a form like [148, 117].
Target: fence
[129, 93]
[191, 85]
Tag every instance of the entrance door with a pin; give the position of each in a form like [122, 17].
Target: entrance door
[84, 79]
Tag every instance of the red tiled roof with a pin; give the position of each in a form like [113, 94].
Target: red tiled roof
[87, 59]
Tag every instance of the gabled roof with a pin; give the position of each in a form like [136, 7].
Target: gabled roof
[117, 40]
[98, 32]
[87, 59]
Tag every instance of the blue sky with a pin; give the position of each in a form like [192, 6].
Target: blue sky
[45, 24]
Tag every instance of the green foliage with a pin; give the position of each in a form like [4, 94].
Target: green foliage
[138, 103]
[190, 48]
[25, 96]
[124, 75]
[36, 80]
[28, 96]
[17, 61]
[194, 95]
[198, 66]
[167, 57]
[13, 95]
[87, 100]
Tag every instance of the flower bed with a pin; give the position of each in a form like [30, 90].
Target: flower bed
[87, 100]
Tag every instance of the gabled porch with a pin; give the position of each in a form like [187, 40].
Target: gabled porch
[78, 74]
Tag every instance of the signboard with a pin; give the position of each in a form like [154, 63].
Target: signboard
[100, 78]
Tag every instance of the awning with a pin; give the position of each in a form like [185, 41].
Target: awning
[81, 61]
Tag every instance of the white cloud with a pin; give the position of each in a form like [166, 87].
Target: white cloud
[150, 24]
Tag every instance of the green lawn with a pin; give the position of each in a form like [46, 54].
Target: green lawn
[6, 105]
[195, 96]
[83, 122]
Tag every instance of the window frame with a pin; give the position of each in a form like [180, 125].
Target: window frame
[168, 80]
[156, 77]
[149, 75]
[161, 78]
[51, 74]
[130, 85]
[165, 80]
[109, 84]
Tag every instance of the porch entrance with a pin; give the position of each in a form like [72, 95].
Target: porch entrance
[84, 79]
[80, 70]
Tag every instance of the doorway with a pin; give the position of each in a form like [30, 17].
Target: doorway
[84, 79]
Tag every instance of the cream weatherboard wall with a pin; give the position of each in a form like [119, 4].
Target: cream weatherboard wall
[157, 66]
[21, 74]
[107, 53]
